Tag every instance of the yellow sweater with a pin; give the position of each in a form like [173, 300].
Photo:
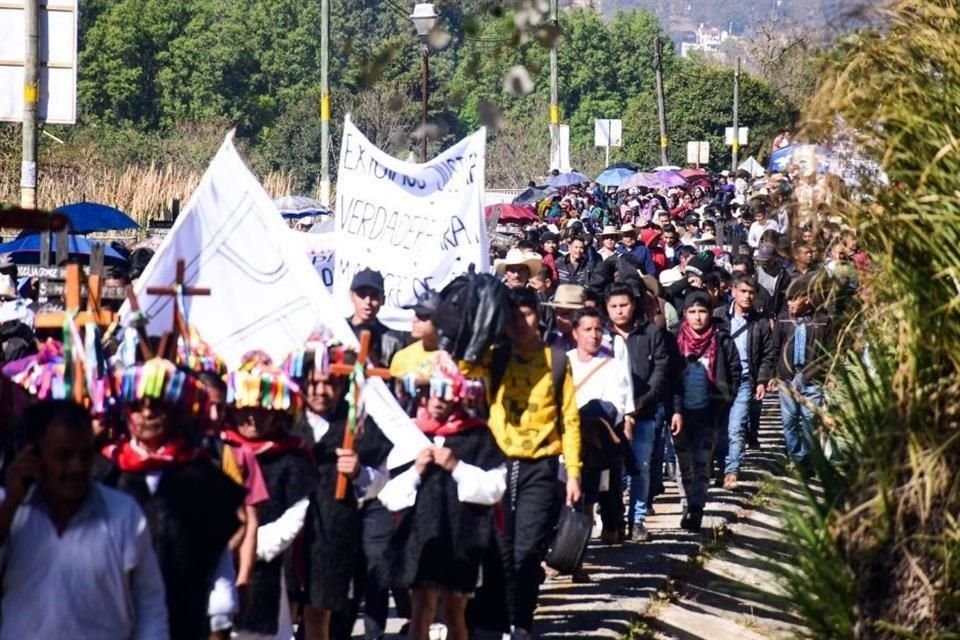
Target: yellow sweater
[523, 414]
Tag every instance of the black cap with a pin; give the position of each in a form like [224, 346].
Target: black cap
[547, 236]
[692, 219]
[426, 305]
[367, 278]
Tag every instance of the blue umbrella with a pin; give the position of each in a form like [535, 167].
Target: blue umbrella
[612, 177]
[26, 248]
[88, 217]
[568, 179]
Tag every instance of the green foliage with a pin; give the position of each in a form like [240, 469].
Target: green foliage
[699, 104]
[888, 518]
[147, 67]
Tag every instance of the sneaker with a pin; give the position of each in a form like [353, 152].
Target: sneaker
[730, 482]
[639, 533]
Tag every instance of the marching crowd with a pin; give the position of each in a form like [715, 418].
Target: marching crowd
[627, 339]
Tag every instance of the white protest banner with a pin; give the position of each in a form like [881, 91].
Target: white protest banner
[419, 225]
[264, 296]
[318, 245]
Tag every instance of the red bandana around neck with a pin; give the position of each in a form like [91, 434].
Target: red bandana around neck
[132, 457]
[458, 422]
[699, 345]
[280, 444]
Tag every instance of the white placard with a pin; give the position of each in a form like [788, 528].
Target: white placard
[264, 296]
[607, 133]
[419, 225]
[58, 61]
[698, 152]
[728, 136]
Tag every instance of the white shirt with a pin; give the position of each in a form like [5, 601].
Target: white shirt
[757, 229]
[611, 381]
[99, 581]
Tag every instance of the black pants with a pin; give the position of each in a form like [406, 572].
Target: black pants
[531, 510]
[694, 447]
[373, 581]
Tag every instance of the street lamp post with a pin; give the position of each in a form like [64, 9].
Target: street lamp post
[424, 19]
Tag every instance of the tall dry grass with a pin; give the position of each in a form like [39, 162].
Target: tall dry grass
[143, 192]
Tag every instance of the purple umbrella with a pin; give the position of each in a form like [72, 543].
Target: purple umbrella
[656, 180]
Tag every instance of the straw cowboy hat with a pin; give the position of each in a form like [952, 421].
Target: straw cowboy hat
[628, 229]
[568, 296]
[609, 230]
[517, 257]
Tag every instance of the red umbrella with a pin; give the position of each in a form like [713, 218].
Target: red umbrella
[512, 213]
[692, 173]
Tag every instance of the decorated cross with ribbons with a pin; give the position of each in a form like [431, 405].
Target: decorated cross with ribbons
[358, 372]
[69, 320]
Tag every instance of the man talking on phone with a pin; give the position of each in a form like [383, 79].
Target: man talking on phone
[77, 557]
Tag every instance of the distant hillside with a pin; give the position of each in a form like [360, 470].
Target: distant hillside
[824, 17]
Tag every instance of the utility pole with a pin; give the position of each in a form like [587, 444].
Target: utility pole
[658, 66]
[554, 89]
[325, 102]
[425, 52]
[736, 117]
[31, 101]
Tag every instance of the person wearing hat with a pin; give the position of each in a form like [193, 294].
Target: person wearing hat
[549, 240]
[694, 269]
[803, 337]
[568, 299]
[344, 541]
[773, 278]
[639, 251]
[709, 377]
[191, 505]
[263, 402]
[367, 295]
[691, 234]
[423, 350]
[516, 268]
[445, 502]
[608, 240]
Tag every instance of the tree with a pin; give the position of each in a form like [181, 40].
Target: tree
[699, 102]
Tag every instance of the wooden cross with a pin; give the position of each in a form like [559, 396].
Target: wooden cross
[178, 288]
[349, 434]
[94, 314]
